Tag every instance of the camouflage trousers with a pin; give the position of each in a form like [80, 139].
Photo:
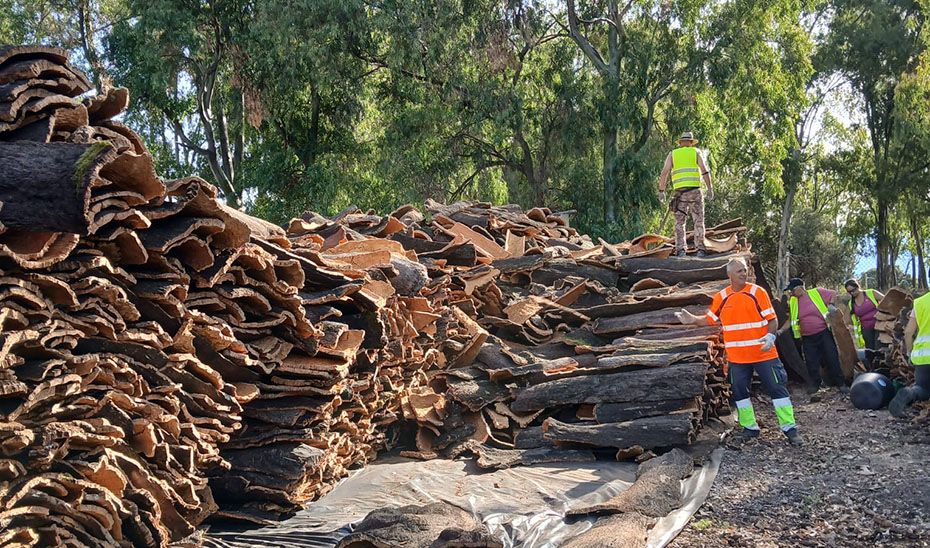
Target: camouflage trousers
[688, 202]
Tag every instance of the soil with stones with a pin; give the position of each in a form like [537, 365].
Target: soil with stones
[861, 479]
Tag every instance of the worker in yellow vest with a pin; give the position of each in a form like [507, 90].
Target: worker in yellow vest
[808, 309]
[863, 306]
[917, 346]
[687, 168]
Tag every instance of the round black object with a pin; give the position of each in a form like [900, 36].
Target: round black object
[871, 391]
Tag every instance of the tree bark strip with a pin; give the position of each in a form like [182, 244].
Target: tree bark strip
[627, 324]
[672, 277]
[678, 382]
[606, 413]
[648, 433]
[46, 186]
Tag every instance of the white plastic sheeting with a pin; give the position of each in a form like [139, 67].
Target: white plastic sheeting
[523, 506]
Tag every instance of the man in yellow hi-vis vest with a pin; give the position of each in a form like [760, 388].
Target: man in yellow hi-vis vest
[687, 168]
[808, 310]
[917, 345]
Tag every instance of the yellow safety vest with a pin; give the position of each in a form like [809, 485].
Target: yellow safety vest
[685, 170]
[857, 325]
[920, 353]
[793, 310]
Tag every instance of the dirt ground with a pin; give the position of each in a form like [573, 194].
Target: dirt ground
[861, 479]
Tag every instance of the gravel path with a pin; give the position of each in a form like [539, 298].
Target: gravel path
[861, 479]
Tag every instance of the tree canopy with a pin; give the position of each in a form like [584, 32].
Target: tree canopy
[814, 114]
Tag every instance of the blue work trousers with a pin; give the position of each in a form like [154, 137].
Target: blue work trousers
[771, 373]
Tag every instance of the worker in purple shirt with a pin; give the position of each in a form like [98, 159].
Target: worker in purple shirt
[808, 310]
[863, 306]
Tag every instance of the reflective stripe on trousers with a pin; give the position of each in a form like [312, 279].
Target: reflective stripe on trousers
[746, 415]
[773, 376]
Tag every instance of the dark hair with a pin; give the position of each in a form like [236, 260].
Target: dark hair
[852, 282]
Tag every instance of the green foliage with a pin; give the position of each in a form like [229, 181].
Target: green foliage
[295, 105]
[819, 254]
[759, 66]
[875, 44]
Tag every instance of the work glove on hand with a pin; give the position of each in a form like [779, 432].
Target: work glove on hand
[663, 197]
[768, 341]
[831, 308]
[681, 315]
[710, 194]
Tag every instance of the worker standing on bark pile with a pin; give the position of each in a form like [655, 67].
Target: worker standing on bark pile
[917, 346]
[687, 168]
[863, 306]
[808, 316]
[745, 312]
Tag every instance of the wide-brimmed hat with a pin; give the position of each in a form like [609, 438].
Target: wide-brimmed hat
[687, 136]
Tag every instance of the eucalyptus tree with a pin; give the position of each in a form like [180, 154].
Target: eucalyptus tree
[639, 51]
[874, 44]
[239, 77]
[179, 58]
[733, 71]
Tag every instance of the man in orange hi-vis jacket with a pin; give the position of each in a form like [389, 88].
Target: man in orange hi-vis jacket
[745, 312]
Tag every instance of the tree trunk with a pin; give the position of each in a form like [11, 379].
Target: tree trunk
[232, 199]
[921, 269]
[883, 271]
[539, 186]
[791, 178]
[86, 21]
[610, 162]
[538, 180]
[894, 249]
[783, 269]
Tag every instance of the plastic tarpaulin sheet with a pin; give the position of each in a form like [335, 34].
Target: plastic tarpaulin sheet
[523, 506]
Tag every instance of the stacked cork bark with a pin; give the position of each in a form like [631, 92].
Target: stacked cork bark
[890, 322]
[326, 404]
[109, 418]
[164, 358]
[577, 342]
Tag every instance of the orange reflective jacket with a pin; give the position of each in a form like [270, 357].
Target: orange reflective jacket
[745, 316]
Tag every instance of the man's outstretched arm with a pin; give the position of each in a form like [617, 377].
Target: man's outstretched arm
[688, 318]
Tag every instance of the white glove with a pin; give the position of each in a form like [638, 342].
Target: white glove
[680, 315]
[663, 197]
[768, 341]
[710, 194]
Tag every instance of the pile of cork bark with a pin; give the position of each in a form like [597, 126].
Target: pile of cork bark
[164, 358]
[577, 344]
[890, 321]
